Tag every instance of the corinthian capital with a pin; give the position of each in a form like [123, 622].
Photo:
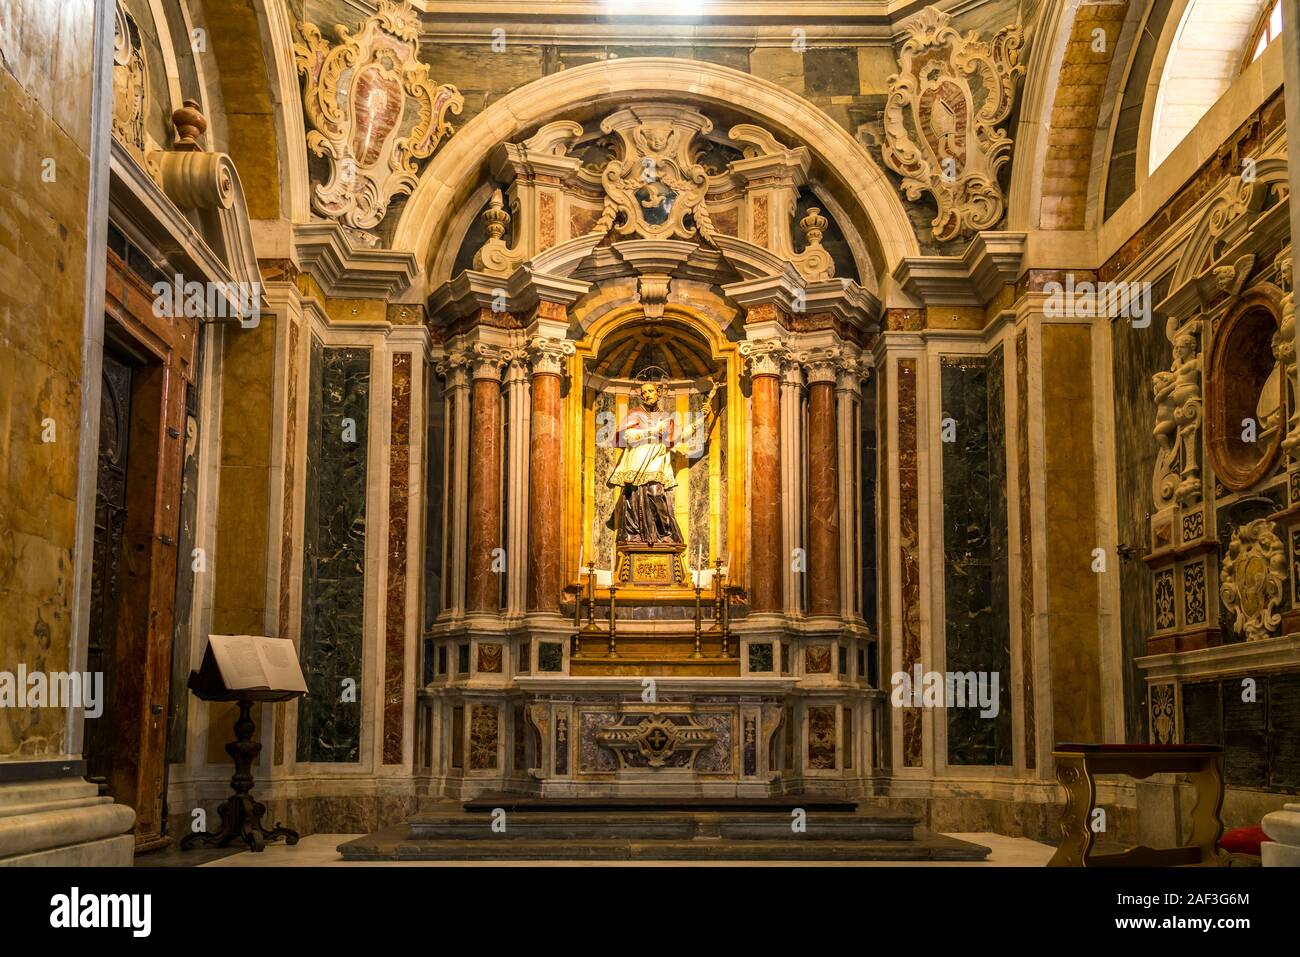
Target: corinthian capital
[548, 354]
[823, 365]
[454, 367]
[487, 361]
[764, 356]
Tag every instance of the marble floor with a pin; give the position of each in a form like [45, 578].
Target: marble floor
[318, 850]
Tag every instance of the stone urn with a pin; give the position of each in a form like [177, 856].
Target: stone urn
[1284, 828]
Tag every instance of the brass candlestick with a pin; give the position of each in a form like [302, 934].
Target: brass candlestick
[591, 593]
[720, 605]
[697, 653]
[613, 622]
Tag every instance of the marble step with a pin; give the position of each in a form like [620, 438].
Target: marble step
[395, 844]
[670, 825]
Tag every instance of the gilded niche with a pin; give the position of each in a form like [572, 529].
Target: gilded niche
[942, 116]
[374, 113]
[1251, 579]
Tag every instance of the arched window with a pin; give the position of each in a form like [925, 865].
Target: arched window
[1268, 30]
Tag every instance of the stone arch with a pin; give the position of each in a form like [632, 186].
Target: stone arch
[259, 114]
[1204, 48]
[1069, 81]
[859, 185]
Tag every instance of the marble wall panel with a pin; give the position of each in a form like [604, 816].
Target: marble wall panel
[1136, 356]
[976, 614]
[45, 67]
[909, 550]
[1026, 610]
[1071, 504]
[399, 509]
[333, 606]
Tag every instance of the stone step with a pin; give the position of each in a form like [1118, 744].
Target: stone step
[659, 803]
[394, 844]
[678, 825]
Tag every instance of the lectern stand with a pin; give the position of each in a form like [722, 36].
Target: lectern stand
[241, 813]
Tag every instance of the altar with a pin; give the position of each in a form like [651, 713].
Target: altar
[654, 571]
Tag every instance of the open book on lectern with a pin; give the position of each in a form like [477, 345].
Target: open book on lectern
[248, 663]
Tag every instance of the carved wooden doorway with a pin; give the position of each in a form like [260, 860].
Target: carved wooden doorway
[110, 523]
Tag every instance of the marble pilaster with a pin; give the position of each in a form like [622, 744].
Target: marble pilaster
[482, 592]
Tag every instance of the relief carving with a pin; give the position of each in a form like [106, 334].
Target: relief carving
[130, 81]
[357, 95]
[1177, 476]
[941, 116]
[1252, 578]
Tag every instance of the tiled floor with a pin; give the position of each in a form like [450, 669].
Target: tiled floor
[318, 850]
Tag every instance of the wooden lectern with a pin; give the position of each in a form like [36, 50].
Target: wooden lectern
[245, 669]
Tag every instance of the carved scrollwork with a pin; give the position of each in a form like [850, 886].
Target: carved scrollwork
[130, 81]
[656, 190]
[1252, 578]
[942, 116]
[356, 95]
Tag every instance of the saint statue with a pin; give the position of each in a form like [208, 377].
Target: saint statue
[648, 438]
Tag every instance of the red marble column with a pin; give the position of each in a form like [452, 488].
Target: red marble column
[765, 481]
[544, 506]
[823, 494]
[483, 591]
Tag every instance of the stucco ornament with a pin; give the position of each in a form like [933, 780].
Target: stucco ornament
[130, 81]
[373, 112]
[655, 190]
[1252, 578]
[942, 116]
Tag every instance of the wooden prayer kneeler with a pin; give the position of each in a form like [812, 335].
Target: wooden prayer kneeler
[1077, 763]
[241, 813]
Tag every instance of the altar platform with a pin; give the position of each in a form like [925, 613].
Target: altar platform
[545, 830]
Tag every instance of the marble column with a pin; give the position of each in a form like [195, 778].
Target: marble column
[1291, 103]
[792, 481]
[455, 370]
[483, 591]
[765, 593]
[518, 418]
[848, 394]
[545, 578]
[823, 489]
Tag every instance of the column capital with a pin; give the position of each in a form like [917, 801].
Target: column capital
[547, 354]
[454, 367]
[823, 365]
[486, 361]
[764, 356]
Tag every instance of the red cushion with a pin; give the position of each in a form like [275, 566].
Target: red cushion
[1243, 840]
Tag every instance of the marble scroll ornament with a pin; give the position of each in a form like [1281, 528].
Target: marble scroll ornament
[941, 119]
[373, 113]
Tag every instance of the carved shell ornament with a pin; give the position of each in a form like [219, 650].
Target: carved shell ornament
[1252, 578]
[373, 112]
[941, 116]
